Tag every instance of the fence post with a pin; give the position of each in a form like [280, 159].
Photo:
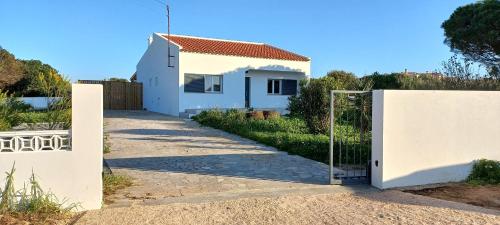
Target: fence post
[332, 119]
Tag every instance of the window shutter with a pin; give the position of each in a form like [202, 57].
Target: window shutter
[289, 87]
[194, 83]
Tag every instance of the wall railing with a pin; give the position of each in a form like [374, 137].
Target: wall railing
[35, 141]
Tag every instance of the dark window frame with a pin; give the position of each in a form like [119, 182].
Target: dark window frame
[200, 83]
[271, 86]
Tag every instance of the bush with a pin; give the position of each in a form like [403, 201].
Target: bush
[33, 117]
[9, 113]
[313, 103]
[485, 172]
[211, 118]
[286, 134]
[235, 115]
[4, 125]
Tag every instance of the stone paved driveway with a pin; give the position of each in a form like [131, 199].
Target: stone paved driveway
[168, 157]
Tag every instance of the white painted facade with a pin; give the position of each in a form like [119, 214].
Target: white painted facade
[160, 82]
[426, 137]
[168, 95]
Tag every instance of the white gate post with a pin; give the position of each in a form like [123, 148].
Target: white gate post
[87, 141]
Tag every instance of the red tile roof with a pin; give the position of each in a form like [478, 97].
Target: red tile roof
[233, 48]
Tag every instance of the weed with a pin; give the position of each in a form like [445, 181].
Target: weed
[32, 204]
[113, 183]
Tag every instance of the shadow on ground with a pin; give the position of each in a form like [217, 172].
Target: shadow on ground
[253, 166]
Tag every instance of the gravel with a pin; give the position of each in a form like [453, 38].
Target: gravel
[388, 207]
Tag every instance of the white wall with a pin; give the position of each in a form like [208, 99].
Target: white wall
[37, 102]
[233, 69]
[73, 175]
[164, 97]
[259, 98]
[425, 137]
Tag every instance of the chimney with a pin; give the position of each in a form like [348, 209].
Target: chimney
[150, 40]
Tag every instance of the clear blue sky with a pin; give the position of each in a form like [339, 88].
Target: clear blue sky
[96, 39]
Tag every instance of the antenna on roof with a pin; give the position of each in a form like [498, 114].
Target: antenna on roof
[168, 37]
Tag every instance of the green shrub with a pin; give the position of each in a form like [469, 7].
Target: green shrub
[235, 115]
[4, 125]
[9, 113]
[33, 117]
[286, 134]
[209, 117]
[56, 119]
[485, 172]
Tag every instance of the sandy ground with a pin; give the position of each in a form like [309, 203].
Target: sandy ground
[487, 196]
[389, 207]
[186, 174]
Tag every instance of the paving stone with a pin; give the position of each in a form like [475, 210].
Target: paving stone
[169, 157]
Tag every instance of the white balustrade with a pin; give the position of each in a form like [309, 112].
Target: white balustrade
[35, 141]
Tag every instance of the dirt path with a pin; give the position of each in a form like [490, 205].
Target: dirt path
[487, 196]
[391, 207]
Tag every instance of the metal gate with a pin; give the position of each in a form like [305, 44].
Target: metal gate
[350, 136]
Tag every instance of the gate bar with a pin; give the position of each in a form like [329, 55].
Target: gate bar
[332, 122]
[332, 102]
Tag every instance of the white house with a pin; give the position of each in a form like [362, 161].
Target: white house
[189, 74]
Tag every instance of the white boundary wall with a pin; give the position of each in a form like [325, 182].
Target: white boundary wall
[425, 137]
[74, 175]
[38, 102]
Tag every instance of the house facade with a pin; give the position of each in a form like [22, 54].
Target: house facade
[183, 74]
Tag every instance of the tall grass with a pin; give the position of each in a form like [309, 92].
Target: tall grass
[32, 203]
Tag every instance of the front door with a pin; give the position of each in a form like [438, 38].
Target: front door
[247, 92]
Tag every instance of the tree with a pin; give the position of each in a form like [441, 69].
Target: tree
[29, 85]
[11, 70]
[343, 80]
[312, 104]
[474, 31]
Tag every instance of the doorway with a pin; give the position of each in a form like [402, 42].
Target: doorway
[247, 92]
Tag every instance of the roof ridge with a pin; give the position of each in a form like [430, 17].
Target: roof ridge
[213, 39]
[231, 47]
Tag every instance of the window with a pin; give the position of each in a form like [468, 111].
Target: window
[273, 87]
[150, 82]
[289, 87]
[156, 81]
[281, 87]
[199, 83]
[213, 83]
